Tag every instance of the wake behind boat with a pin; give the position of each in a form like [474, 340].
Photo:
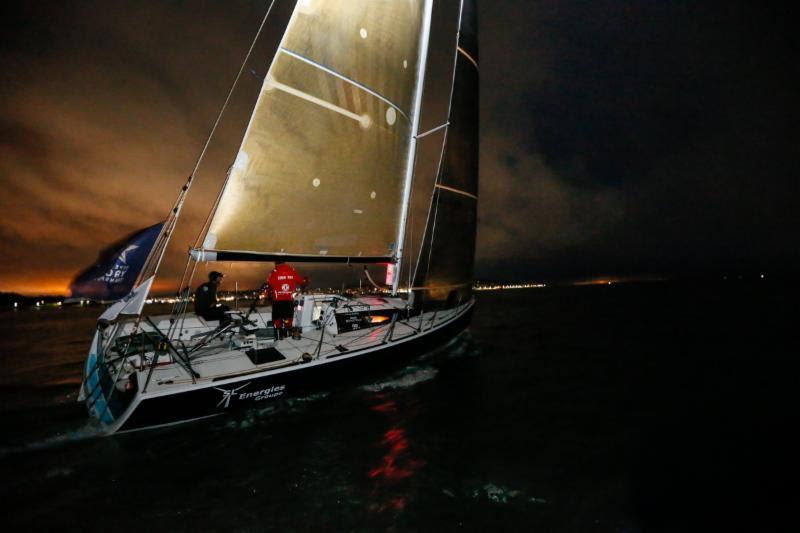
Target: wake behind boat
[333, 145]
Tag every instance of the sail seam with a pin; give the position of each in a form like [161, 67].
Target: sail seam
[469, 57]
[345, 78]
[457, 191]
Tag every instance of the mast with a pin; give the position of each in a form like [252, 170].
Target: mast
[424, 43]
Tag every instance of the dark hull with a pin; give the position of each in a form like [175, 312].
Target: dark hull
[299, 381]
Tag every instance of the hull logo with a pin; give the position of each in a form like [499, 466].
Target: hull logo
[228, 394]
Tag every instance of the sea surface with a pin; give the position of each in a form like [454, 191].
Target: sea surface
[633, 407]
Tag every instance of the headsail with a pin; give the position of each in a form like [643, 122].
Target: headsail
[444, 270]
[322, 166]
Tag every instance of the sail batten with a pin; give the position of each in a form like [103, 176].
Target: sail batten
[345, 78]
[469, 57]
[361, 119]
[457, 191]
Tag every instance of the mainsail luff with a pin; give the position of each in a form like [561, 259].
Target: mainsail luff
[322, 165]
[404, 210]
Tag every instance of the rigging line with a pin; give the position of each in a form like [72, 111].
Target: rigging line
[345, 345]
[235, 82]
[390, 332]
[326, 343]
[185, 190]
[367, 332]
[469, 57]
[258, 100]
[184, 292]
[409, 226]
[344, 78]
[179, 327]
[407, 324]
[433, 229]
[169, 227]
[183, 296]
[361, 336]
[457, 191]
[431, 210]
[366, 272]
[410, 243]
[207, 224]
[444, 145]
[363, 120]
[455, 60]
[162, 239]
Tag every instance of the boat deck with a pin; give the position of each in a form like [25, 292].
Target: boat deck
[236, 354]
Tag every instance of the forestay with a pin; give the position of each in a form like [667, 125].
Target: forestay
[322, 165]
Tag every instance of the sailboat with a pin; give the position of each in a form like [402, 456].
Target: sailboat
[334, 146]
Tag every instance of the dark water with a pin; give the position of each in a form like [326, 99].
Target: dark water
[658, 407]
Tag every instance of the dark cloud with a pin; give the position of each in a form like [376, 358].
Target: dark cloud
[643, 136]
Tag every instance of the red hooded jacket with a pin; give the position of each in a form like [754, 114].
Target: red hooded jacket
[283, 283]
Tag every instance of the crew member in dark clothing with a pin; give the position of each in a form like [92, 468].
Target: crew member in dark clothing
[205, 300]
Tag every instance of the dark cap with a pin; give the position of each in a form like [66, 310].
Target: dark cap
[214, 275]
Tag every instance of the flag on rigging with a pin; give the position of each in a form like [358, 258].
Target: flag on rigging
[114, 273]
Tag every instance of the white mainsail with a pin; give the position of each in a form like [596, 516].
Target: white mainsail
[323, 164]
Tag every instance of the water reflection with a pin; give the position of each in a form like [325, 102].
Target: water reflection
[391, 476]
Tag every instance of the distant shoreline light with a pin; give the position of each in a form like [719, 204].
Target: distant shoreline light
[41, 302]
[500, 287]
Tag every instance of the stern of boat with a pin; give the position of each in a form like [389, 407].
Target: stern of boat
[103, 401]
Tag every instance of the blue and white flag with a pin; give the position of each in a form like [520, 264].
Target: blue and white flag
[117, 267]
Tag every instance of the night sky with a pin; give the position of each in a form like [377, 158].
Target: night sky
[618, 138]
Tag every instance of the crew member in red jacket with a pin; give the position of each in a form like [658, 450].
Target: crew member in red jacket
[280, 287]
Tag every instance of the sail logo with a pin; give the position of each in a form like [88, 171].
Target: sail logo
[273, 391]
